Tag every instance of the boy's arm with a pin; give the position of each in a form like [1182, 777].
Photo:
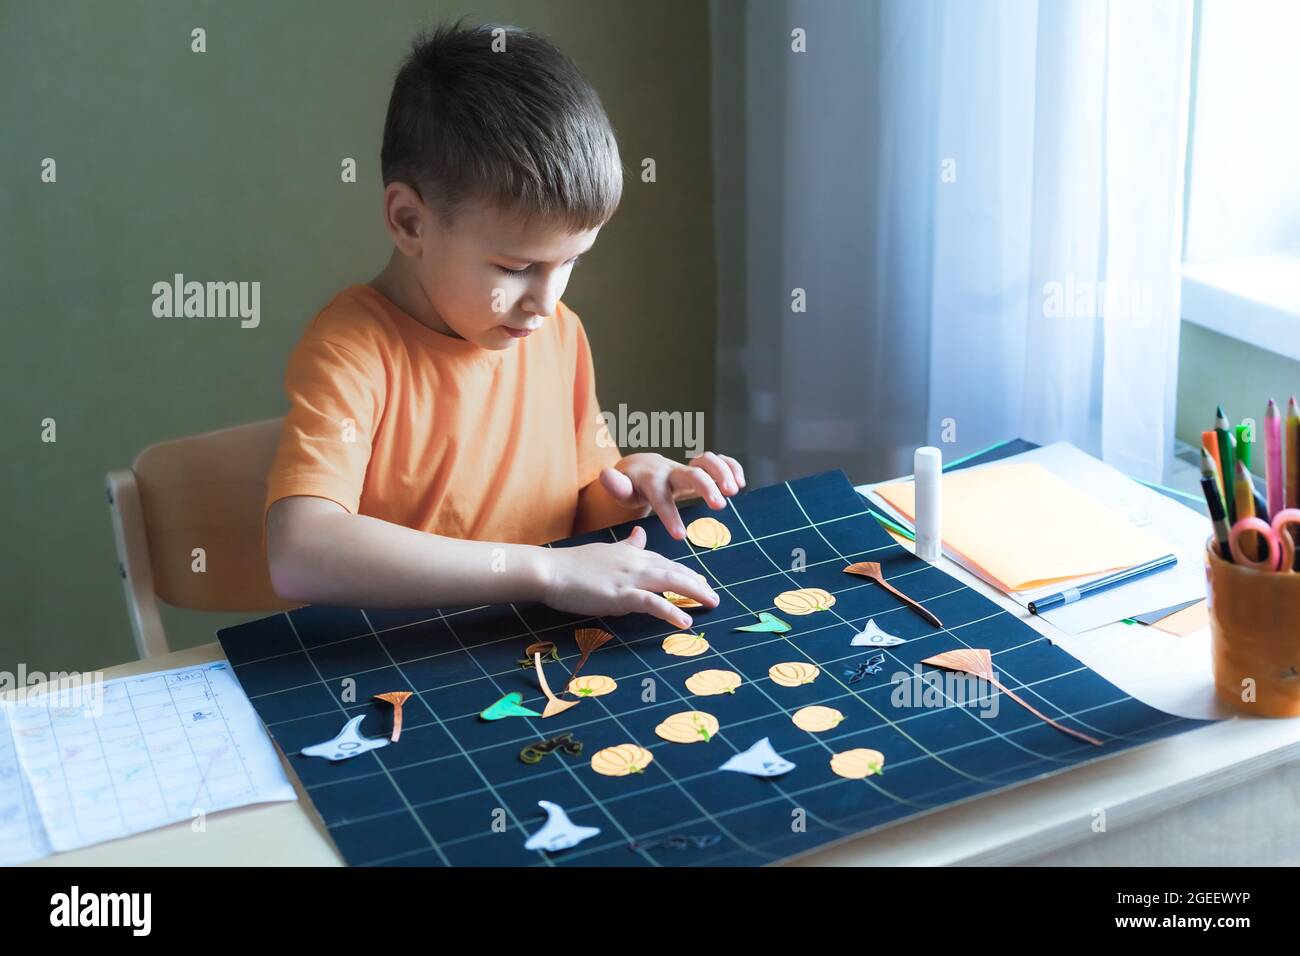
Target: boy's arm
[319, 553]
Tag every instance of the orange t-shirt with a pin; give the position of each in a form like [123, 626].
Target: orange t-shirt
[394, 420]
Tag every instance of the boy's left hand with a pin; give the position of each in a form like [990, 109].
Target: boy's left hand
[660, 482]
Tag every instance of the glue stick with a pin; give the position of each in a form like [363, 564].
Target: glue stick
[927, 467]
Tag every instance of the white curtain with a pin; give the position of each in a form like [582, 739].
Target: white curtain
[982, 205]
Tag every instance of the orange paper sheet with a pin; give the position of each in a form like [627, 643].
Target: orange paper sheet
[1025, 528]
[1184, 622]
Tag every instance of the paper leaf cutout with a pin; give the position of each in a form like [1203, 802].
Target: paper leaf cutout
[559, 833]
[871, 569]
[873, 636]
[759, 760]
[397, 698]
[588, 638]
[767, 624]
[510, 705]
[978, 662]
[347, 743]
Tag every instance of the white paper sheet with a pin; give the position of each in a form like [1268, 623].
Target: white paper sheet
[83, 765]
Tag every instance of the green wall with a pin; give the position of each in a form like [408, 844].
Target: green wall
[1214, 369]
[225, 165]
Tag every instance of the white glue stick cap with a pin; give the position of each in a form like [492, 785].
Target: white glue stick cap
[927, 467]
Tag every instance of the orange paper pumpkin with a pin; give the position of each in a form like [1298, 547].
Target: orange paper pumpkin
[685, 645]
[708, 533]
[804, 601]
[688, 727]
[793, 673]
[621, 760]
[708, 683]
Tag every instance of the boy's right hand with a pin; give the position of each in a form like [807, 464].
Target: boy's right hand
[599, 580]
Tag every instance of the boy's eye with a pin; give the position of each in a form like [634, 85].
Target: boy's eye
[526, 269]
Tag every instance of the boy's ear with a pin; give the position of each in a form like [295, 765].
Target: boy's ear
[404, 217]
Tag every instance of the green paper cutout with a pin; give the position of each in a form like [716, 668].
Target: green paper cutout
[767, 624]
[509, 706]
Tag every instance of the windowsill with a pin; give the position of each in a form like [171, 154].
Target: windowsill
[1255, 300]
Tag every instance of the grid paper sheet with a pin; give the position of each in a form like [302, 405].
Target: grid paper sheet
[86, 765]
[453, 790]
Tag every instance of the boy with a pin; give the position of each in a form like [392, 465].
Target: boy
[443, 418]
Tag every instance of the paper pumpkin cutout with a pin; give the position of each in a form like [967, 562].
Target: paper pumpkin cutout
[553, 704]
[621, 760]
[767, 624]
[873, 636]
[816, 718]
[397, 698]
[588, 639]
[688, 727]
[858, 764]
[685, 645]
[510, 705]
[708, 533]
[793, 673]
[592, 685]
[708, 683]
[681, 600]
[978, 662]
[347, 743]
[804, 601]
[760, 760]
[559, 833]
[872, 570]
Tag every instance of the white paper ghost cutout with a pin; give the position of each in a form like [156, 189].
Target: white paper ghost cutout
[873, 636]
[348, 743]
[759, 760]
[559, 833]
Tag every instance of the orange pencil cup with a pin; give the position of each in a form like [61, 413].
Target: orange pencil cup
[1254, 637]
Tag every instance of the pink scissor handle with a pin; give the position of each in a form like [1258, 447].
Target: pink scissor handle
[1257, 526]
[1285, 517]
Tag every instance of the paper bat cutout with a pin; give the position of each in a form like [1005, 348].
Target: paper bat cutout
[759, 760]
[767, 624]
[870, 569]
[873, 636]
[348, 743]
[397, 698]
[588, 638]
[553, 704]
[559, 833]
[861, 669]
[978, 662]
[510, 705]
[534, 753]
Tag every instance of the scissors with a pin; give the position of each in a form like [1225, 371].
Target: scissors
[1281, 547]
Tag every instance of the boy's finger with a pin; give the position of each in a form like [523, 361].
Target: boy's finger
[662, 608]
[718, 470]
[736, 470]
[661, 500]
[693, 480]
[635, 537]
[618, 485]
[684, 582]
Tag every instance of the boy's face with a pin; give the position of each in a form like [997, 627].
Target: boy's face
[485, 274]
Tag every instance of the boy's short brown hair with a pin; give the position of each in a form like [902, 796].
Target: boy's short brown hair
[520, 129]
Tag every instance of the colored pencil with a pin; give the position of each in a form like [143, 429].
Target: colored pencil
[1210, 487]
[1273, 459]
[1244, 492]
[1224, 435]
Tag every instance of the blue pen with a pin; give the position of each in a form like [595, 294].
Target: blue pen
[1102, 584]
